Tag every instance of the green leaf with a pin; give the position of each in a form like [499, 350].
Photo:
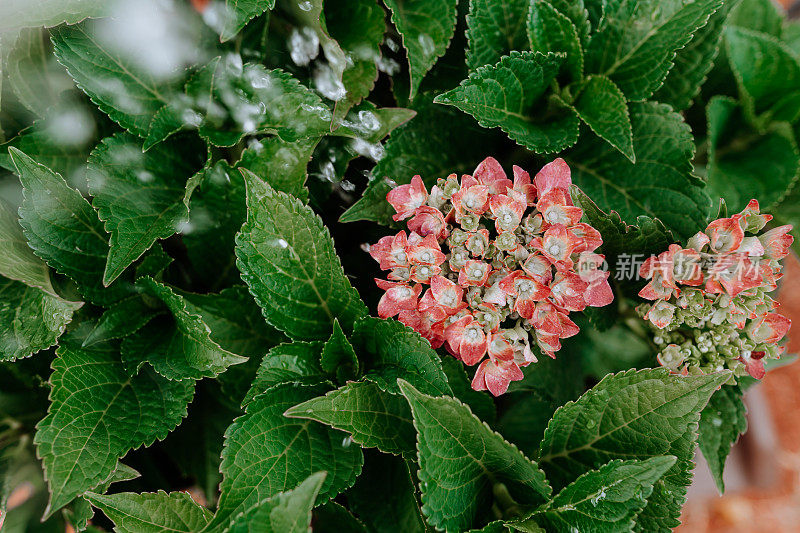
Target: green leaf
[63, 229]
[237, 13]
[495, 28]
[552, 31]
[647, 237]
[181, 351]
[152, 512]
[286, 512]
[126, 93]
[333, 518]
[661, 185]
[374, 418]
[367, 123]
[636, 41]
[31, 13]
[607, 499]
[510, 96]
[425, 146]
[693, 62]
[391, 350]
[462, 462]
[30, 319]
[768, 75]
[286, 257]
[759, 15]
[632, 415]
[744, 163]
[121, 319]
[479, 402]
[266, 453]
[18, 262]
[721, 423]
[426, 27]
[384, 496]
[97, 413]
[338, 357]
[291, 362]
[281, 164]
[602, 106]
[140, 197]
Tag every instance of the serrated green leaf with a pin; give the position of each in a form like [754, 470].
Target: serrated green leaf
[462, 461]
[152, 512]
[338, 357]
[426, 27]
[64, 230]
[768, 75]
[18, 262]
[286, 257]
[97, 413]
[602, 106]
[286, 512]
[745, 164]
[636, 41]
[552, 31]
[139, 197]
[30, 319]
[510, 96]
[294, 362]
[632, 415]
[281, 164]
[425, 146]
[765, 16]
[607, 499]
[334, 518]
[721, 423]
[384, 496]
[266, 453]
[129, 95]
[661, 185]
[693, 62]
[179, 351]
[374, 418]
[391, 350]
[121, 319]
[31, 13]
[495, 28]
[479, 402]
[237, 13]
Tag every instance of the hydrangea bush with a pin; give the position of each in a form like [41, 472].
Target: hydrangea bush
[276, 265]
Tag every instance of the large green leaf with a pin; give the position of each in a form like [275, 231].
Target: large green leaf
[280, 163]
[549, 30]
[764, 16]
[374, 418]
[291, 362]
[745, 164]
[510, 96]
[97, 413]
[425, 146]
[602, 106]
[63, 229]
[768, 75]
[179, 351]
[30, 319]
[18, 262]
[463, 462]
[660, 185]
[129, 95]
[286, 257]
[607, 499]
[266, 453]
[721, 423]
[31, 13]
[286, 512]
[152, 512]
[426, 27]
[632, 415]
[495, 28]
[391, 350]
[636, 41]
[237, 13]
[139, 197]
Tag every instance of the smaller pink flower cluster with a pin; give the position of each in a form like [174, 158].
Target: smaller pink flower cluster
[711, 309]
[490, 263]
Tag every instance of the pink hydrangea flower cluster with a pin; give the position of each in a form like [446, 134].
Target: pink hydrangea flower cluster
[710, 307]
[490, 265]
